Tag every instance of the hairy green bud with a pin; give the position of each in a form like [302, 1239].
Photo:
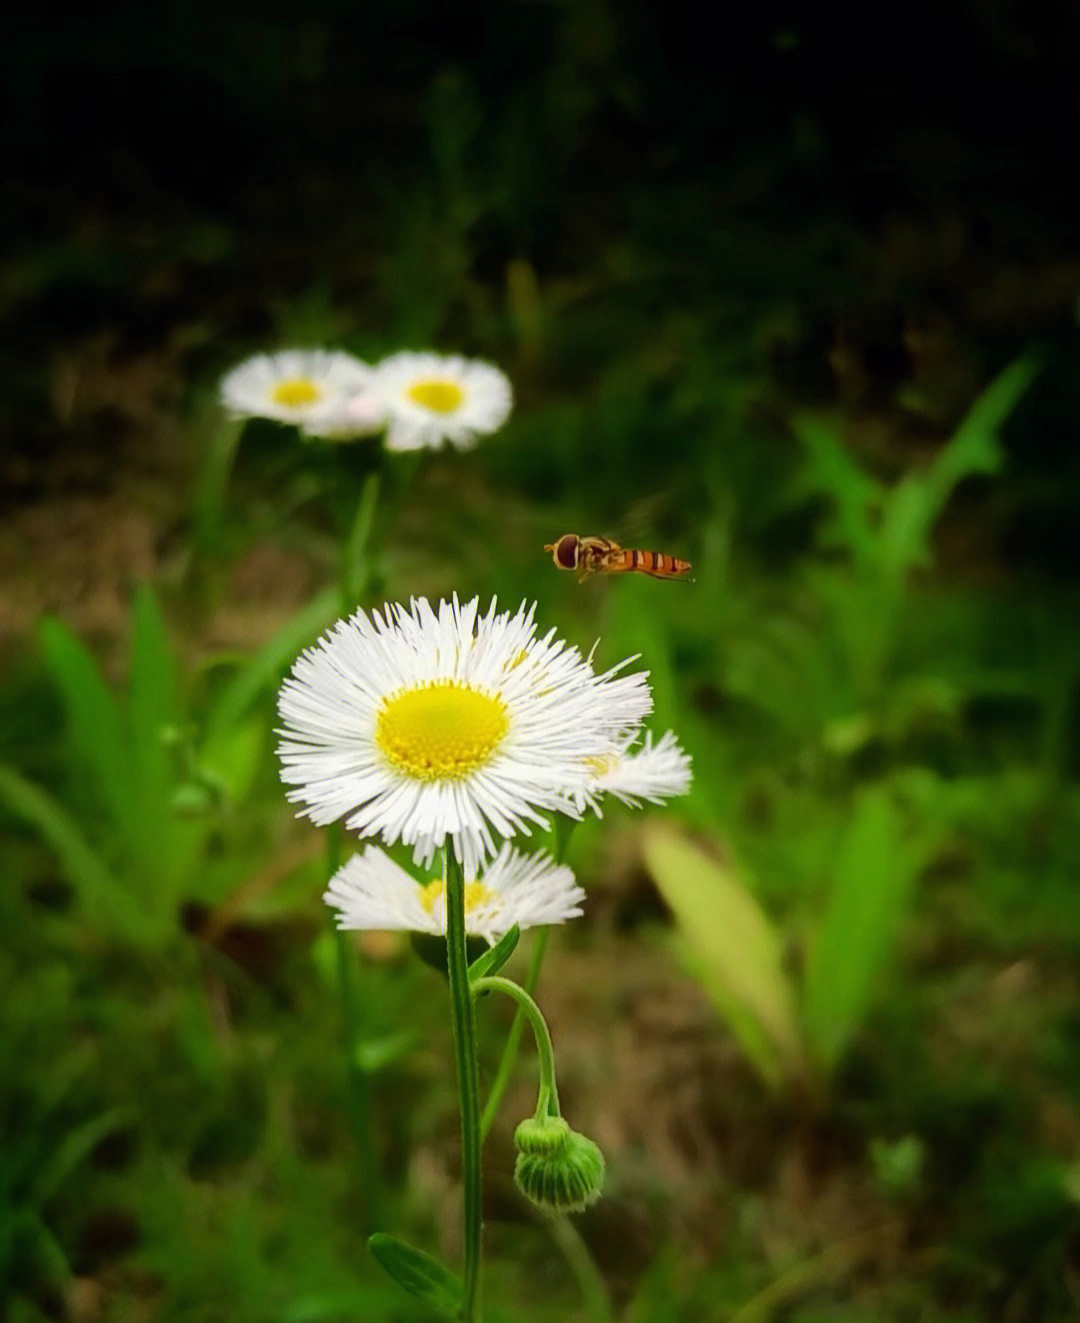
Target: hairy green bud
[559, 1169]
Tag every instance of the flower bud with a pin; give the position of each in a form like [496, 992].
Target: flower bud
[559, 1169]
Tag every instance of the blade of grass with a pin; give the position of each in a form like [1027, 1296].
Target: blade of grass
[101, 894]
[871, 887]
[265, 667]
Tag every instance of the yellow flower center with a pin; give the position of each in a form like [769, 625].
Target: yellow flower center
[438, 396]
[441, 732]
[295, 392]
[601, 766]
[476, 894]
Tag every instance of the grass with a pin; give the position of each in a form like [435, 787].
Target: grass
[875, 671]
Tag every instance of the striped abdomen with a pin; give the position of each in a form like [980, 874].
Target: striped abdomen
[629, 560]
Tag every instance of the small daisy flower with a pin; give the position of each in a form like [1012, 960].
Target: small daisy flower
[373, 892]
[426, 725]
[430, 400]
[358, 415]
[300, 386]
[654, 772]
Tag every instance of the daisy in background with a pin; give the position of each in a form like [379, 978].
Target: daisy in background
[431, 726]
[317, 390]
[654, 772]
[431, 400]
[372, 892]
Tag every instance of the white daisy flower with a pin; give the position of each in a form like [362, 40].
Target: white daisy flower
[430, 400]
[373, 892]
[654, 772]
[300, 386]
[358, 415]
[424, 725]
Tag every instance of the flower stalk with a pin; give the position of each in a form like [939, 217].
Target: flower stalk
[464, 1026]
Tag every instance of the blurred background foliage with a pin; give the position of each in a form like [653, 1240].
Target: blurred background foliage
[793, 297]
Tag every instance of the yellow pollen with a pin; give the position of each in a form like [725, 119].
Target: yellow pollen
[476, 894]
[438, 396]
[600, 766]
[295, 392]
[441, 732]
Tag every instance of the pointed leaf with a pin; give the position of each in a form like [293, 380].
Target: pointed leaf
[917, 502]
[263, 670]
[101, 894]
[153, 716]
[374, 1054]
[871, 886]
[95, 724]
[734, 949]
[419, 1273]
[493, 959]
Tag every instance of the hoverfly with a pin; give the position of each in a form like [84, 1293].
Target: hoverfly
[599, 555]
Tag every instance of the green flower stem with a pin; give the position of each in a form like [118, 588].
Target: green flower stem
[582, 1265]
[513, 1038]
[359, 1085]
[590, 1282]
[564, 827]
[464, 1025]
[357, 569]
[547, 1102]
[213, 480]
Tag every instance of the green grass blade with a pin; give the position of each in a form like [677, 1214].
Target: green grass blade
[734, 949]
[96, 726]
[871, 889]
[264, 669]
[918, 501]
[153, 713]
[100, 893]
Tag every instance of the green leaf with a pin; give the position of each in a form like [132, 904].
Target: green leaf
[831, 469]
[419, 1273]
[153, 715]
[917, 502]
[493, 959]
[264, 669]
[732, 947]
[74, 1148]
[101, 894]
[871, 887]
[95, 723]
[229, 757]
[374, 1054]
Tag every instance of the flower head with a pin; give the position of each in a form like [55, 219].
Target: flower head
[654, 772]
[311, 388]
[558, 1169]
[430, 400]
[373, 892]
[428, 726]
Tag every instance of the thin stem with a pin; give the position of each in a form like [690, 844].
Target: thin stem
[590, 1281]
[356, 556]
[213, 480]
[547, 1103]
[513, 1038]
[564, 827]
[464, 1025]
[359, 1085]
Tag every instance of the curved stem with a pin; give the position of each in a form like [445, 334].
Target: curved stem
[547, 1103]
[464, 1026]
[513, 1038]
[563, 830]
